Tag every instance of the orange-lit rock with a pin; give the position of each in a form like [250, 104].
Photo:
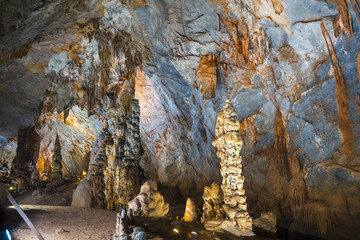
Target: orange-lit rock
[206, 75]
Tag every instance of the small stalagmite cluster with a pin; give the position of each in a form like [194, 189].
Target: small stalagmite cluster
[228, 143]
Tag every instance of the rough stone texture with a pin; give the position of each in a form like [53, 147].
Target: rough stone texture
[123, 174]
[271, 56]
[228, 144]
[149, 202]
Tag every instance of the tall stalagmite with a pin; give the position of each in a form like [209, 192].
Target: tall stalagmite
[228, 143]
[57, 161]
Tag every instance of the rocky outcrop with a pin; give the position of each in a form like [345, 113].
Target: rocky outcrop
[149, 202]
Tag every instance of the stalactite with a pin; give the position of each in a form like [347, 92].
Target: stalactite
[207, 77]
[344, 16]
[66, 113]
[317, 214]
[280, 147]
[244, 42]
[277, 6]
[345, 127]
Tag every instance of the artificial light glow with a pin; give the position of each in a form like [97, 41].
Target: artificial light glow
[175, 230]
[8, 234]
[84, 173]
[11, 188]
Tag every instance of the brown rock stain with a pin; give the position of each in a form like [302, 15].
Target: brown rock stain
[207, 77]
[344, 123]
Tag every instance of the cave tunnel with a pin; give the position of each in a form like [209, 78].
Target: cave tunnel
[179, 119]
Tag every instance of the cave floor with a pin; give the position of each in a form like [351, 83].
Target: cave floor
[64, 222]
[48, 209]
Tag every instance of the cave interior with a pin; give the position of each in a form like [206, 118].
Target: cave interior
[179, 119]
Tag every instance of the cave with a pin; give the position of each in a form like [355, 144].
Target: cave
[179, 119]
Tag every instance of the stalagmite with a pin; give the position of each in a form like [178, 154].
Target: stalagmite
[97, 165]
[57, 161]
[149, 202]
[228, 143]
[213, 203]
[123, 174]
[190, 211]
[122, 229]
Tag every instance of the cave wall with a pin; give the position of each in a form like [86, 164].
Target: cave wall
[288, 66]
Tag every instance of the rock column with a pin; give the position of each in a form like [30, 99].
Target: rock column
[228, 143]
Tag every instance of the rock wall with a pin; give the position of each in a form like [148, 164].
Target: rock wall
[288, 66]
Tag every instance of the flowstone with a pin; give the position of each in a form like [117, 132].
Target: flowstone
[228, 144]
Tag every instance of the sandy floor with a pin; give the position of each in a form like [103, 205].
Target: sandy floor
[63, 223]
[46, 208]
[69, 223]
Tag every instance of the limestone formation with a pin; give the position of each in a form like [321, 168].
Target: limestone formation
[228, 143]
[97, 165]
[191, 214]
[149, 202]
[122, 175]
[267, 221]
[122, 228]
[57, 161]
[213, 203]
[82, 196]
[207, 77]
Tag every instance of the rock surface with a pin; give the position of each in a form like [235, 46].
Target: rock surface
[271, 57]
[149, 202]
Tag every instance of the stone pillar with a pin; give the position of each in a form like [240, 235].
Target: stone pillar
[57, 161]
[228, 144]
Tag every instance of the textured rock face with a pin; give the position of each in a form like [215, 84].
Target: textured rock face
[272, 61]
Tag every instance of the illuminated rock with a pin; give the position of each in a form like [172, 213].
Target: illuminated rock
[228, 144]
[149, 202]
[213, 203]
[191, 214]
[207, 78]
